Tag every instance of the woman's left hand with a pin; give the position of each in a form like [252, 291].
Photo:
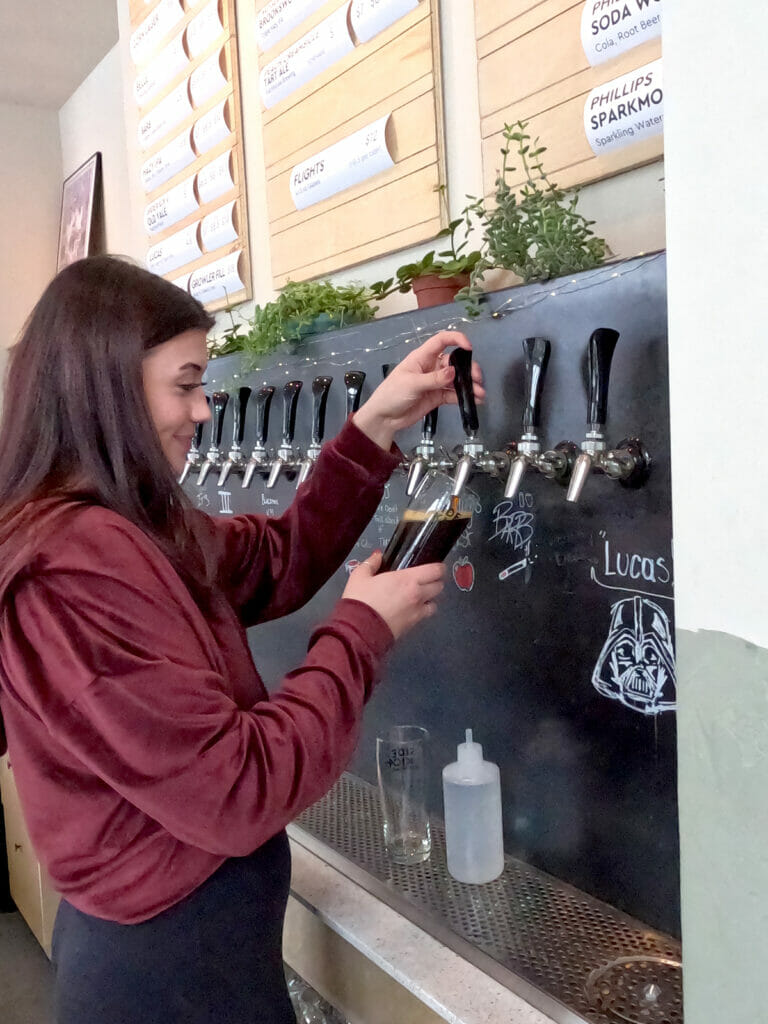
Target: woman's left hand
[416, 386]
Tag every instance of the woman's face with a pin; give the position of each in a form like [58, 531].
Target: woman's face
[173, 373]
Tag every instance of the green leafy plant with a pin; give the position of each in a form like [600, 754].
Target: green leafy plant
[301, 309]
[453, 261]
[535, 231]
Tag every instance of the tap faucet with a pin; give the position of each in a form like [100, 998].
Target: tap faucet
[472, 449]
[287, 458]
[629, 462]
[320, 388]
[213, 458]
[423, 455]
[235, 459]
[259, 460]
[527, 450]
[194, 456]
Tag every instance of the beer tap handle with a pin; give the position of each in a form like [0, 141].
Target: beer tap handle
[353, 382]
[291, 393]
[429, 426]
[461, 360]
[385, 369]
[197, 440]
[600, 354]
[536, 352]
[320, 388]
[263, 402]
[219, 402]
[238, 423]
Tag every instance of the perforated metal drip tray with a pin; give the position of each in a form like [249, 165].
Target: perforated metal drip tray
[571, 956]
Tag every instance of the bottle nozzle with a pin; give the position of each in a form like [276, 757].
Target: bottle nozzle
[469, 753]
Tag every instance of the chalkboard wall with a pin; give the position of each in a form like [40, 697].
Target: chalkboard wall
[534, 662]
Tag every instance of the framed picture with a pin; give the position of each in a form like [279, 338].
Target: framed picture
[78, 201]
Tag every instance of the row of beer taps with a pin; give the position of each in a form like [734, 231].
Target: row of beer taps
[567, 463]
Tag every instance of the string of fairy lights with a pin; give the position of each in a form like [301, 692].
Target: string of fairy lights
[356, 341]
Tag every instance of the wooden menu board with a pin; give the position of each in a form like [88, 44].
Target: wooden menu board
[394, 75]
[532, 67]
[187, 91]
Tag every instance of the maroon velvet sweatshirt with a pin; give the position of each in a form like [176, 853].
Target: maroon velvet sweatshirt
[144, 745]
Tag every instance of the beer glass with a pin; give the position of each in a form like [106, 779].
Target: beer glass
[430, 525]
[402, 763]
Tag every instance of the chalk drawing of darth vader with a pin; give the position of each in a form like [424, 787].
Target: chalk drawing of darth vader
[637, 662]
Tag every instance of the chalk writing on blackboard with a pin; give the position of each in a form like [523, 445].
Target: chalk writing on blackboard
[472, 502]
[225, 503]
[636, 665]
[616, 566]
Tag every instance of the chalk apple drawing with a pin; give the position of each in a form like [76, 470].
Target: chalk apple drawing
[464, 574]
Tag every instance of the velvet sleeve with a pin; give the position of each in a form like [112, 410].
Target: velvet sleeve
[122, 671]
[270, 567]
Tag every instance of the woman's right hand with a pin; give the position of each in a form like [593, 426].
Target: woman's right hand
[402, 598]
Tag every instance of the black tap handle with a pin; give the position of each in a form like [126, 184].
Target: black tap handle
[320, 388]
[291, 393]
[385, 368]
[263, 402]
[238, 422]
[601, 346]
[353, 382]
[220, 399]
[461, 360]
[429, 426]
[199, 427]
[536, 352]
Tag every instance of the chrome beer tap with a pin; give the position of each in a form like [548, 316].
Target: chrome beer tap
[235, 459]
[320, 388]
[259, 461]
[194, 455]
[472, 455]
[527, 450]
[629, 462]
[422, 458]
[213, 458]
[287, 458]
[555, 464]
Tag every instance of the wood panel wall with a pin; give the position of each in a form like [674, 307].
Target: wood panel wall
[397, 72]
[532, 67]
[230, 94]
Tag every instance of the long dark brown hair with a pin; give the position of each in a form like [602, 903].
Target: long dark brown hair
[75, 424]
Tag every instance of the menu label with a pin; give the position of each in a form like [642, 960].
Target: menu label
[625, 110]
[611, 27]
[307, 58]
[277, 18]
[369, 17]
[217, 280]
[346, 163]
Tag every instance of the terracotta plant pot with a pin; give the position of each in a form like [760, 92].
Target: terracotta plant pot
[431, 290]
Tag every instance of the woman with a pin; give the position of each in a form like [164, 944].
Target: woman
[155, 773]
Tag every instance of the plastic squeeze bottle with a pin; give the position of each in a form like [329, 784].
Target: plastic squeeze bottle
[472, 800]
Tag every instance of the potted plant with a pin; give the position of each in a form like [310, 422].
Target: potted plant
[301, 309]
[536, 232]
[437, 276]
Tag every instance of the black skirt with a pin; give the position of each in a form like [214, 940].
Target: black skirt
[214, 958]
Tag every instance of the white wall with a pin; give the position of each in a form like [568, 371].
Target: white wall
[718, 214]
[93, 119]
[30, 199]
[717, 207]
